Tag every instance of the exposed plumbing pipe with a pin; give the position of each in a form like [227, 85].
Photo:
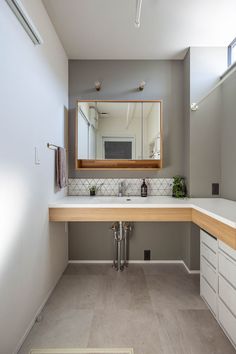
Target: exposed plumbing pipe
[121, 232]
[127, 229]
[119, 240]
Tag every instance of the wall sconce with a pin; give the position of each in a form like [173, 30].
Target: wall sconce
[97, 85]
[194, 107]
[141, 85]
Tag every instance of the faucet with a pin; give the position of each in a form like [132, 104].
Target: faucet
[121, 188]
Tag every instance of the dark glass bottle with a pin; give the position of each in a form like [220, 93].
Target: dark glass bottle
[144, 189]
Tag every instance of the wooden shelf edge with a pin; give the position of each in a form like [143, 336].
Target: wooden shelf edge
[124, 214]
[215, 227]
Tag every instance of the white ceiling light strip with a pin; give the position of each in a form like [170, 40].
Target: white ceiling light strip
[22, 16]
[138, 13]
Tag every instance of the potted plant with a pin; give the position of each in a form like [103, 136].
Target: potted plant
[94, 188]
[179, 187]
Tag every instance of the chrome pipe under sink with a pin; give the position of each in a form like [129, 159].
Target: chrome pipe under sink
[121, 231]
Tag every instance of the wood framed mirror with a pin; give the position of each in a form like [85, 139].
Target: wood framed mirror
[118, 134]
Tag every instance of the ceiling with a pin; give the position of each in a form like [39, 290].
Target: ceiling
[104, 29]
[117, 110]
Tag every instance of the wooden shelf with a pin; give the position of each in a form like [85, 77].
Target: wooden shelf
[215, 227]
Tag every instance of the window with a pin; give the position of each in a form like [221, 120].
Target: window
[232, 52]
[83, 136]
[86, 137]
[116, 148]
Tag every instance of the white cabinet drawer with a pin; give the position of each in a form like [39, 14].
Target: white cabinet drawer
[228, 294]
[209, 255]
[227, 249]
[209, 295]
[228, 321]
[227, 267]
[209, 240]
[209, 273]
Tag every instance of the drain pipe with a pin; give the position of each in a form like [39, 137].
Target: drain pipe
[121, 232]
[119, 240]
[115, 231]
[127, 229]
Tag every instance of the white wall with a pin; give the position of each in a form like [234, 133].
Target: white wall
[33, 93]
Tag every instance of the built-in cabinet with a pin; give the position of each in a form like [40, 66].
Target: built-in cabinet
[218, 282]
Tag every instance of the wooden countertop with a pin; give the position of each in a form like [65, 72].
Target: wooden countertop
[215, 215]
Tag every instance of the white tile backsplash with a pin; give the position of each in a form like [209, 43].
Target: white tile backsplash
[109, 186]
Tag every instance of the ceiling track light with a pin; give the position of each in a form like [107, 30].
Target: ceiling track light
[141, 86]
[98, 85]
[138, 13]
[24, 19]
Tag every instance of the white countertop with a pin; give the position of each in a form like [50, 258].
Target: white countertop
[220, 209]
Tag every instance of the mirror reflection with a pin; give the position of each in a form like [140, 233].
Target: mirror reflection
[119, 130]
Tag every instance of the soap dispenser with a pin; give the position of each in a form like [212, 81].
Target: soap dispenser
[144, 189]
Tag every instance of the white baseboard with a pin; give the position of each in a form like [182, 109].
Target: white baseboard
[23, 338]
[157, 262]
[131, 261]
[90, 261]
[190, 271]
[177, 261]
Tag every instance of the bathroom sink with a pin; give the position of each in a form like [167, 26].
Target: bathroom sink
[117, 200]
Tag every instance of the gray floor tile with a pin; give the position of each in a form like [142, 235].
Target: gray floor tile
[174, 291]
[87, 269]
[126, 328]
[125, 290]
[192, 331]
[154, 308]
[67, 328]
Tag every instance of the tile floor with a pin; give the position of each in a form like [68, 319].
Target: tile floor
[152, 308]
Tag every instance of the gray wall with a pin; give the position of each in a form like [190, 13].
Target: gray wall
[205, 146]
[191, 246]
[167, 241]
[228, 138]
[200, 145]
[202, 69]
[120, 79]
[186, 128]
[206, 67]
[191, 142]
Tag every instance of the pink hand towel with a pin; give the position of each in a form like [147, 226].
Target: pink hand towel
[61, 172]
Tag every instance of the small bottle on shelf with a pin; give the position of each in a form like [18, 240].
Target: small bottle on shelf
[144, 189]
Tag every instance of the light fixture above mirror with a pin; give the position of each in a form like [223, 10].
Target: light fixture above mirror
[98, 85]
[141, 85]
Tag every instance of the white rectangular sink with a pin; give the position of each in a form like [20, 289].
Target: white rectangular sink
[115, 199]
